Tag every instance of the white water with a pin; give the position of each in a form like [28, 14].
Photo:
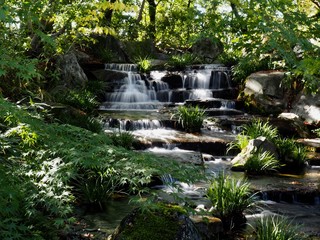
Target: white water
[152, 93]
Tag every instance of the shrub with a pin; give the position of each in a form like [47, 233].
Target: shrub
[277, 228]
[190, 118]
[230, 197]
[261, 162]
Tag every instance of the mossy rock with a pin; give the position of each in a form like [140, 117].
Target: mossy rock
[164, 222]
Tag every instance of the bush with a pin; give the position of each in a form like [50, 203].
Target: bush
[261, 162]
[276, 228]
[230, 198]
[190, 118]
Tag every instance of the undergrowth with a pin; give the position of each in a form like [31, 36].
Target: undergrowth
[48, 169]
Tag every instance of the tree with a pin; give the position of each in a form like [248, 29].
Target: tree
[33, 33]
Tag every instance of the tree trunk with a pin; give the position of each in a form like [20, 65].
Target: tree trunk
[108, 14]
[152, 15]
[141, 11]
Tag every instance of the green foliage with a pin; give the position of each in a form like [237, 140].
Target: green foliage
[261, 163]
[79, 119]
[258, 128]
[181, 61]
[46, 168]
[229, 197]
[190, 118]
[94, 186]
[241, 142]
[317, 131]
[248, 65]
[292, 154]
[144, 64]
[122, 139]
[81, 99]
[277, 228]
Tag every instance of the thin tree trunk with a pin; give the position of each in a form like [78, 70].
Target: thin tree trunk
[152, 15]
[141, 11]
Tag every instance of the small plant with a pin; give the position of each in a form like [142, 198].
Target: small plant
[317, 131]
[292, 154]
[190, 118]
[144, 64]
[261, 162]
[230, 197]
[257, 128]
[241, 142]
[277, 228]
[94, 186]
[122, 139]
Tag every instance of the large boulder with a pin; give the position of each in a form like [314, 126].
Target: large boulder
[208, 49]
[307, 108]
[72, 74]
[165, 222]
[264, 91]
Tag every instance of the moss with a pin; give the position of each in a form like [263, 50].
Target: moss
[160, 223]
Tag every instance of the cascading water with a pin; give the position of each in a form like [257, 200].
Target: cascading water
[133, 92]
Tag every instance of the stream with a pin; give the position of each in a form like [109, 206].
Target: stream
[143, 106]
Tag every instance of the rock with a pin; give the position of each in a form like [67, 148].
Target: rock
[72, 73]
[291, 125]
[308, 108]
[166, 222]
[207, 49]
[260, 143]
[265, 92]
[173, 80]
[208, 226]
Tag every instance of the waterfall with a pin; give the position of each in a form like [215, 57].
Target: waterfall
[132, 125]
[133, 91]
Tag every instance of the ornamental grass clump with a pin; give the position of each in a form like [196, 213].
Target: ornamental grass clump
[260, 163]
[230, 197]
[258, 128]
[190, 118]
[291, 154]
[277, 228]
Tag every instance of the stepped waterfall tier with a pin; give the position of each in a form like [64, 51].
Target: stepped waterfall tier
[133, 91]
